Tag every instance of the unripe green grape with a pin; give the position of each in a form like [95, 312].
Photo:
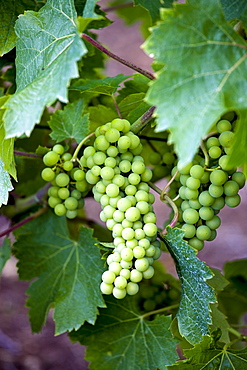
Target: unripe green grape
[113, 201]
[71, 213]
[218, 204]
[79, 175]
[147, 175]
[128, 156]
[226, 139]
[141, 264]
[141, 195]
[120, 282]
[128, 233]
[206, 213]
[203, 232]
[99, 158]
[168, 158]
[132, 214]
[229, 116]
[127, 224]
[191, 194]
[189, 230]
[110, 223]
[60, 210]
[196, 171]
[108, 277]
[135, 141]
[205, 178]
[123, 204]
[135, 276]
[116, 257]
[150, 229]
[100, 187]
[66, 157]
[124, 143]
[212, 141]
[183, 179]
[190, 216]
[223, 162]
[58, 148]
[126, 128]
[196, 243]
[139, 234]
[110, 162]
[233, 201]
[214, 152]
[126, 264]
[137, 225]
[231, 188]
[90, 162]
[186, 169]
[218, 177]
[125, 166]
[107, 173]
[71, 203]
[185, 205]
[130, 189]
[119, 293]
[144, 243]
[206, 199]
[81, 202]
[134, 179]
[118, 124]
[223, 125]
[115, 267]
[157, 254]
[139, 252]
[131, 243]
[47, 174]
[51, 158]
[109, 211]
[112, 135]
[53, 191]
[160, 171]
[149, 273]
[89, 151]
[118, 216]
[143, 186]
[132, 288]
[181, 192]
[194, 203]
[143, 207]
[90, 178]
[82, 186]
[62, 180]
[125, 273]
[112, 151]
[138, 167]
[155, 158]
[150, 252]
[151, 198]
[63, 193]
[215, 190]
[68, 166]
[101, 143]
[239, 178]
[106, 288]
[193, 183]
[112, 190]
[214, 222]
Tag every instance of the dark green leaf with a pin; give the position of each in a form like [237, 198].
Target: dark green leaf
[153, 7]
[194, 311]
[235, 9]
[106, 86]
[5, 185]
[204, 73]
[5, 253]
[68, 272]
[99, 115]
[122, 339]
[209, 355]
[70, 122]
[106, 246]
[130, 102]
[43, 72]
[137, 84]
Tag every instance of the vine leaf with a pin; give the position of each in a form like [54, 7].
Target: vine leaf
[234, 9]
[70, 122]
[154, 7]
[105, 86]
[7, 146]
[5, 253]
[203, 75]
[45, 63]
[125, 340]
[194, 312]
[68, 272]
[5, 185]
[210, 355]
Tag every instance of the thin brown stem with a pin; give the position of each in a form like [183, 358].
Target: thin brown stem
[142, 122]
[116, 106]
[116, 7]
[116, 57]
[29, 155]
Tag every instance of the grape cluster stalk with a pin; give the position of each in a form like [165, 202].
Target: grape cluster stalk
[207, 184]
[115, 168]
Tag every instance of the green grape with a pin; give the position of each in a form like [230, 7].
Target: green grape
[132, 214]
[112, 135]
[110, 162]
[81, 186]
[118, 124]
[68, 166]
[155, 158]
[186, 169]
[128, 156]
[141, 264]
[206, 199]
[66, 157]
[119, 293]
[214, 152]
[212, 141]
[214, 222]
[191, 194]
[189, 230]
[120, 282]
[99, 158]
[139, 234]
[132, 288]
[62, 180]
[81, 202]
[90, 178]
[232, 201]
[196, 243]
[226, 139]
[58, 148]
[101, 143]
[218, 204]
[125, 166]
[112, 151]
[130, 189]
[60, 210]
[183, 179]
[224, 163]
[123, 204]
[168, 158]
[205, 178]
[106, 288]
[193, 183]
[229, 116]
[71, 203]
[115, 267]
[89, 151]
[150, 229]
[112, 190]
[206, 213]
[118, 180]
[63, 193]
[218, 177]
[53, 191]
[108, 277]
[231, 188]
[118, 216]
[95, 170]
[138, 167]
[223, 125]
[135, 141]
[147, 175]
[109, 211]
[51, 158]
[143, 207]
[203, 232]
[107, 173]
[185, 204]
[128, 233]
[47, 174]
[190, 216]
[215, 190]
[239, 178]
[52, 201]
[79, 175]
[194, 203]
[134, 179]
[124, 143]
[149, 273]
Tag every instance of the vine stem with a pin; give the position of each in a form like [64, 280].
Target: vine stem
[160, 310]
[23, 222]
[80, 145]
[116, 57]
[24, 154]
[142, 122]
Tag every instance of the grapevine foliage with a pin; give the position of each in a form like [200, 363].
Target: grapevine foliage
[74, 139]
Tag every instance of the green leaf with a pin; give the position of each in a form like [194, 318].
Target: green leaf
[122, 339]
[68, 272]
[88, 11]
[7, 146]
[238, 155]
[70, 122]
[137, 84]
[9, 11]
[5, 253]
[234, 9]
[99, 115]
[209, 355]
[43, 71]
[194, 313]
[153, 7]
[105, 86]
[5, 185]
[204, 73]
[130, 102]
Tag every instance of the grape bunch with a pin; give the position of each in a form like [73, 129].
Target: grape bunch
[207, 185]
[68, 182]
[160, 291]
[116, 169]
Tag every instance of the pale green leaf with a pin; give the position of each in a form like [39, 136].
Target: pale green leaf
[88, 11]
[105, 86]
[5, 253]
[68, 272]
[210, 355]
[194, 312]
[5, 185]
[204, 74]
[70, 123]
[122, 339]
[48, 47]
[7, 145]
[238, 153]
